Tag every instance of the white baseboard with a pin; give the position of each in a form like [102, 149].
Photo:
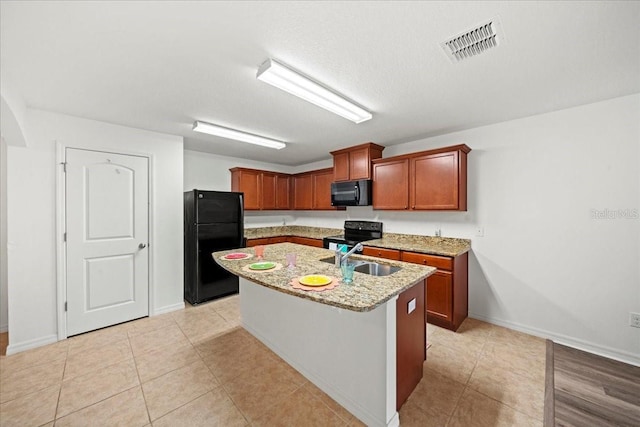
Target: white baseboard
[600, 350]
[28, 345]
[4, 328]
[168, 308]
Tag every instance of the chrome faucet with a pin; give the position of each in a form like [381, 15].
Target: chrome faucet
[346, 256]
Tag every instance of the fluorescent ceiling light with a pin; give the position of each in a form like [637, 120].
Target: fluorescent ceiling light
[237, 135]
[291, 81]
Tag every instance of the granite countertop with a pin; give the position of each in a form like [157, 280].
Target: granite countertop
[364, 294]
[446, 246]
[291, 230]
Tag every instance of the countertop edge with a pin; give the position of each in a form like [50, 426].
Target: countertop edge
[427, 251]
[255, 278]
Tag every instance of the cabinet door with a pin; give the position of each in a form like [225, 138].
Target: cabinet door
[303, 192]
[283, 192]
[360, 164]
[247, 182]
[410, 341]
[341, 167]
[381, 252]
[391, 184]
[434, 181]
[322, 189]
[439, 293]
[268, 190]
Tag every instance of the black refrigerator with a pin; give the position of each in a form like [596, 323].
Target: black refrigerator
[213, 221]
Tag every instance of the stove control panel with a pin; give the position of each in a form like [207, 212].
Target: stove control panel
[363, 225]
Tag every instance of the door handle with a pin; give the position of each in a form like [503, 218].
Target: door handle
[142, 246]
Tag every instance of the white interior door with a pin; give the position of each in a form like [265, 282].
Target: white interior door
[107, 230]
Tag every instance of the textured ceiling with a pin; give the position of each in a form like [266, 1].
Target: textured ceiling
[162, 65]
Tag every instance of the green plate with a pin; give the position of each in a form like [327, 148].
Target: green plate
[262, 266]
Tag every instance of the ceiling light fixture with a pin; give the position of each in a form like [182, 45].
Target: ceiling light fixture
[291, 81]
[224, 132]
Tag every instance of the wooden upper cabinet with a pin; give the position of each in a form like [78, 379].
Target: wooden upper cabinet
[263, 190]
[341, 166]
[428, 180]
[355, 162]
[268, 190]
[312, 190]
[322, 180]
[438, 182]
[248, 181]
[303, 191]
[391, 184]
[283, 191]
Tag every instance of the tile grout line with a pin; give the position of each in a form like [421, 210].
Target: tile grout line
[64, 369]
[478, 356]
[221, 386]
[135, 363]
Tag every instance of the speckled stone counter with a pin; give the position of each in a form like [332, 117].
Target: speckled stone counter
[291, 230]
[445, 246]
[364, 294]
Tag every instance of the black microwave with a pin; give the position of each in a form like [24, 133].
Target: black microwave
[351, 193]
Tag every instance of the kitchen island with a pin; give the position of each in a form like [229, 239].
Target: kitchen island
[343, 340]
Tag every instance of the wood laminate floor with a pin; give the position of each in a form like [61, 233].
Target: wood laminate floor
[590, 390]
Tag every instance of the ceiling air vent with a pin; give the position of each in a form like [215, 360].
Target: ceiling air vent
[470, 43]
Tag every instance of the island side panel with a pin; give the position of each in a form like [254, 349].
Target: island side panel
[349, 355]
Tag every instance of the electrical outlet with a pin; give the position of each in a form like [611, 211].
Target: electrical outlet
[438, 231]
[634, 320]
[480, 232]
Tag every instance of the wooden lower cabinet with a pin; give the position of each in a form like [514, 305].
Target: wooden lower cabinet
[439, 293]
[306, 241]
[447, 290]
[410, 341]
[282, 239]
[255, 242]
[381, 252]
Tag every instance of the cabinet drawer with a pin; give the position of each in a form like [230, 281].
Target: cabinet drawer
[381, 253]
[278, 239]
[307, 241]
[442, 262]
[256, 242]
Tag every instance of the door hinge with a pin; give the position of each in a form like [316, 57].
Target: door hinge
[64, 166]
[64, 236]
[65, 306]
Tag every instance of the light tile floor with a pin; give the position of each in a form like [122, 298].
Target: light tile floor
[198, 367]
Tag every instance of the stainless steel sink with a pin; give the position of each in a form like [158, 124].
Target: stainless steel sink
[367, 267]
[332, 260]
[375, 269]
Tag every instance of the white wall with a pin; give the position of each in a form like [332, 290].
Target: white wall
[3, 236]
[32, 218]
[205, 171]
[545, 265]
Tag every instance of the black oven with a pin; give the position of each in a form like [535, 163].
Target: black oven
[354, 233]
